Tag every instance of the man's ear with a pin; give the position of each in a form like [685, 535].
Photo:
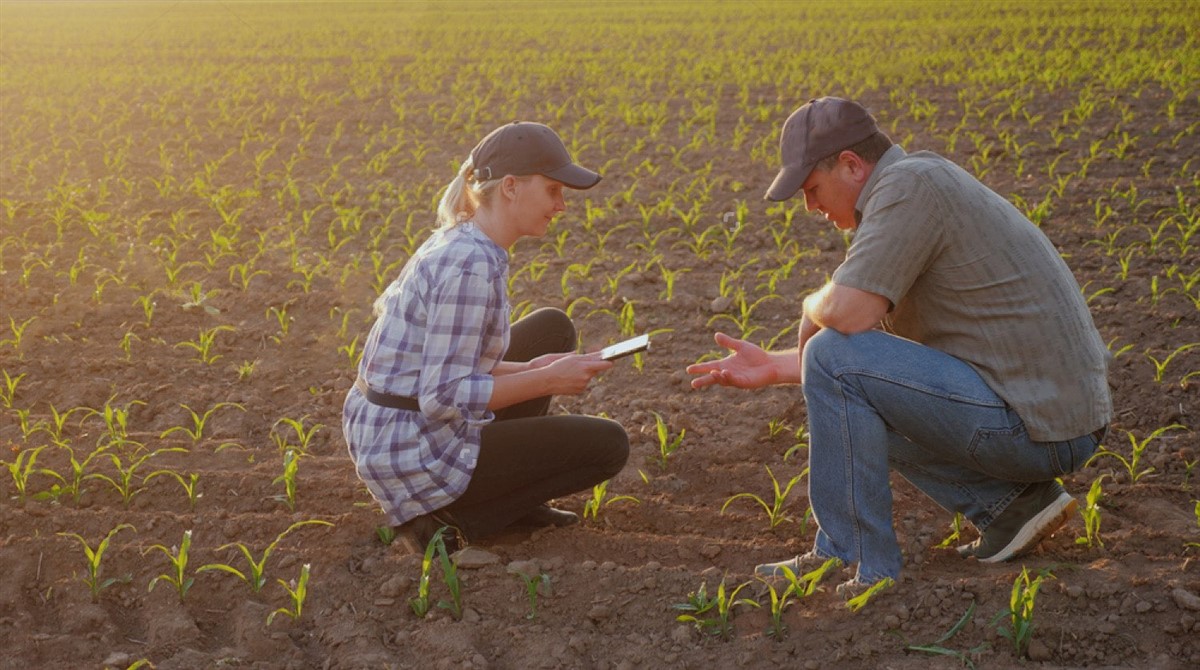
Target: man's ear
[857, 168]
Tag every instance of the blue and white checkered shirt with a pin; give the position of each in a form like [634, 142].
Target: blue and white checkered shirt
[442, 326]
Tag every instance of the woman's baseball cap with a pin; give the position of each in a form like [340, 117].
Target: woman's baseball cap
[821, 128]
[524, 148]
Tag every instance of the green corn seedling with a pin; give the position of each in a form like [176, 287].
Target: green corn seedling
[860, 601]
[254, 577]
[95, 557]
[421, 604]
[956, 526]
[450, 578]
[303, 435]
[775, 513]
[666, 445]
[599, 492]
[25, 467]
[10, 388]
[720, 610]
[127, 469]
[1018, 627]
[1091, 515]
[178, 558]
[532, 584]
[204, 342]
[297, 591]
[196, 432]
[938, 648]
[1137, 450]
[291, 466]
[189, 484]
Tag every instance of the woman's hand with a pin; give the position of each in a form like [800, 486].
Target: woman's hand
[569, 374]
[547, 359]
[748, 367]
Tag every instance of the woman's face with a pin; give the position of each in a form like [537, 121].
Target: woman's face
[538, 200]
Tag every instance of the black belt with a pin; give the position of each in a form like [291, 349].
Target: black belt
[387, 399]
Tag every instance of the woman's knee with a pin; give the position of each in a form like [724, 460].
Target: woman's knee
[556, 325]
[612, 444]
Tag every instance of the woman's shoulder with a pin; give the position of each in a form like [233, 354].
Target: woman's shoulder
[461, 250]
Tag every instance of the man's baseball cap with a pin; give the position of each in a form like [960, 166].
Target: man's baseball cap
[523, 148]
[821, 128]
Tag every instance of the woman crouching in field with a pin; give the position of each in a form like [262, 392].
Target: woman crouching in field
[447, 421]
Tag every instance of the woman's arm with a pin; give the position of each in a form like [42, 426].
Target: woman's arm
[565, 374]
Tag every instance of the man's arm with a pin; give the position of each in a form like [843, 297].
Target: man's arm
[845, 309]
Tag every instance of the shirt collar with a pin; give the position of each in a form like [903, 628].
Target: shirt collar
[892, 155]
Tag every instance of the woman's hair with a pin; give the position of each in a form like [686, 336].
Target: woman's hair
[463, 196]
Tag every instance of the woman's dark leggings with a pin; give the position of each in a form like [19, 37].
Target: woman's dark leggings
[526, 457]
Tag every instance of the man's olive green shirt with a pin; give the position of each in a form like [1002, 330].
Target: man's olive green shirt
[971, 276]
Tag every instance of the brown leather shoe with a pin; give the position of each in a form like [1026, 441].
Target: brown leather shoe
[416, 534]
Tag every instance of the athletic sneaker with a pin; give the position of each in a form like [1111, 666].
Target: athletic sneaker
[800, 565]
[1036, 514]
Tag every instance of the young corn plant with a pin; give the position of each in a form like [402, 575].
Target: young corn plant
[1091, 515]
[199, 421]
[204, 342]
[127, 469]
[254, 576]
[599, 492]
[860, 601]
[774, 510]
[189, 484]
[720, 610]
[25, 467]
[421, 604]
[303, 435]
[453, 584]
[95, 557]
[666, 445]
[1018, 618]
[938, 648]
[532, 584]
[956, 526]
[177, 556]
[1138, 447]
[291, 466]
[297, 591]
[10, 388]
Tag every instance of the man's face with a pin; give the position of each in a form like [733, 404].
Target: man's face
[833, 193]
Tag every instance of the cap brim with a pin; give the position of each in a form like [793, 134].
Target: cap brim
[787, 182]
[574, 176]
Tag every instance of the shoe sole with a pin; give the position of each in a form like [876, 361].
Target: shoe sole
[1043, 525]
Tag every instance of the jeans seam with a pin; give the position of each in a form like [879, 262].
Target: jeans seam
[921, 388]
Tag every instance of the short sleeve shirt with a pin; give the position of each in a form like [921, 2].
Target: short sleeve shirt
[442, 326]
[971, 276]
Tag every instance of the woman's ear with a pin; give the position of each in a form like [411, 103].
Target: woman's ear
[508, 186]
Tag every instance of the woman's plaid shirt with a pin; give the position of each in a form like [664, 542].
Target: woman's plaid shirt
[442, 326]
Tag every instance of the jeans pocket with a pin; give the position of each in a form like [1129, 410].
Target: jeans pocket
[1070, 455]
[1009, 454]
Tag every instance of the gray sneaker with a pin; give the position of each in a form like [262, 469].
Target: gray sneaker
[800, 565]
[1036, 514]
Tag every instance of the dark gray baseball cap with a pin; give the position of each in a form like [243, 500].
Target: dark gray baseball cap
[821, 127]
[524, 148]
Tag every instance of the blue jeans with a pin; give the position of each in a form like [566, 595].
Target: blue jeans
[877, 401]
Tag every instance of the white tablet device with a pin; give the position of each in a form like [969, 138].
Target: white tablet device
[631, 346]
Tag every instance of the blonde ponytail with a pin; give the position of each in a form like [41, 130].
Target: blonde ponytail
[463, 196]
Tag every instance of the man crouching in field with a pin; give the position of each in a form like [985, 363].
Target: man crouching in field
[952, 345]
